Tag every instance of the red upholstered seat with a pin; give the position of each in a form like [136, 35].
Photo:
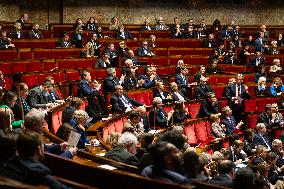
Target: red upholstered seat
[201, 132]
[223, 103]
[72, 76]
[64, 64]
[212, 80]
[18, 67]
[30, 80]
[100, 73]
[105, 133]
[162, 71]
[56, 121]
[190, 134]
[251, 121]
[208, 129]
[34, 66]
[26, 55]
[218, 89]
[261, 103]
[48, 64]
[168, 109]
[119, 126]
[250, 105]
[5, 68]
[193, 110]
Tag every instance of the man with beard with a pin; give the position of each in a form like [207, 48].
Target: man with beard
[209, 106]
[166, 163]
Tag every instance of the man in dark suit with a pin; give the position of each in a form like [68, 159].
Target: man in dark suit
[84, 87]
[123, 34]
[149, 79]
[234, 152]
[144, 50]
[132, 56]
[95, 44]
[17, 32]
[258, 61]
[121, 102]
[202, 89]
[38, 97]
[158, 116]
[226, 172]
[209, 106]
[229, 121]
[236, 93]
[104, 62]
[178, 95]
[125, 150]
[210, 42]
[190, 33]
[182, 79]
[231, 58]
[146, 26]
[160, 92]
[144, 118]
[65, 42]
[111, 81]
[21, 107]
[260, 43]
[35, 33]
[5, 42]
[24, 18]
[268, 118]
[260, 137]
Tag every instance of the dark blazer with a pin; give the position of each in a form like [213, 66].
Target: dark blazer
[36, 99]
[183, 83]
[175, 97]
[148, 83]
[231, 91]
[113, 54]
[234, 156]
[191, 35]
[35, 34]
[146, 28]
[31, 172]
[258, 140]
[163, 95]
[206, 109]
[102, 64]
[122, 52]
[53, 96]
[4, 44]
[130, 83]
[264, 118]
[64, 44]
[14, 34]
[179, 117]
[159, 117]
[91, 26]
[121, 155]
[110, 83]
[222, 180]
[209, 44]
[265, 91]
[143, 51]
[201, 91]
[230, 125]
[261, 62]
[117, 104]
[259, 43]
[127, 35]
[17, 109]
[85, 89]
[228, 60]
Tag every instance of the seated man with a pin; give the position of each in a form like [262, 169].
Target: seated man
[231, 58]
[111, 81]
[17, 32]
[5, 42]
[35, 33]
[65, 42]
[144, 50]
[125, 150]
[132, 56]
[38, 97]
[111, 50]
[26, 167]
[260, 137]
[229, 121]
[226, 172]
[158, 116]
[21, 107]
[202, 89]
[210, 42]
[104, 62]
[133, 124]
[235, 152]
[167, 160]
[35, 122]
[121, 102]
[269, 117]
[149, 79]
[209, 106]
[24, 18]
[178, 95]
[84, 87]
[123, 34]
[160, 25]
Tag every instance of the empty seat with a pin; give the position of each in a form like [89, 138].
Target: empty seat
[190, 134]
[30, 80]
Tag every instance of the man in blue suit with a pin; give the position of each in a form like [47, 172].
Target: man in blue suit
[123, 34]
[260, 137]
[260, 43]
[226, 172]
[229, 121]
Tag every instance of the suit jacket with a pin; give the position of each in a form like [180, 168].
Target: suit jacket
[264, 140]
[207, 109]
[231, 91]
[229, 124]
[201, 91]
[14, 34]
[259, 43]
[261, 61]
[110, 83]
[122, 52]
[163, 95]
[222, 180]
[130, 83]
[102, 64]
[191, 35]
[182, 81]
[209, 44]
[64, 44]
[146, 28]
[53, 96]
[91, 26]
[113, 54]
[127, 35]
[118, 105]
[176, 98]
[143, 51]
[36, 99]
[121, 155]
[85, 89]
[148, 83]
[260, 91]
[264, 118]
[17, 109]
[231, 60]
[33, 34]
[158, 118]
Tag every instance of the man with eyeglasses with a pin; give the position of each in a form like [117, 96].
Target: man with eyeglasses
[160, 25]
[144, 50]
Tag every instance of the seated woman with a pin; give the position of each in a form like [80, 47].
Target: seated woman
[200, 72]
[213, 67]
[218, 130]
[92, 24]
[276, 67]
[87, 51]
[274, 48]
[8, 101]
[160, 92]
[261, 88]
[180, 113]
[76, 124]
[277, 87]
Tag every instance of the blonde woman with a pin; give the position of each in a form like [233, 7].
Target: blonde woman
[87, 51]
